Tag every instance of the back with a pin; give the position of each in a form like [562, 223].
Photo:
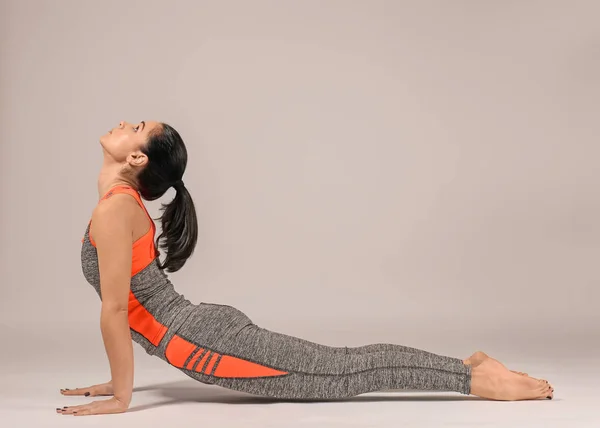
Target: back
[154, 305]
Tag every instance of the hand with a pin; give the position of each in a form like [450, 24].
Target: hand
[104, 407]
[93, 391]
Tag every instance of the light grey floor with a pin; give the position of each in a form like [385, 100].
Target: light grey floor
[39, 365]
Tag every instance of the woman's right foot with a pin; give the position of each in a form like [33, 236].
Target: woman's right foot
[491, 380]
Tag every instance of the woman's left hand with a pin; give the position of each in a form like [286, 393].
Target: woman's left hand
[103, 407]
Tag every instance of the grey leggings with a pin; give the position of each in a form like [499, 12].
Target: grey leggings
[218, 344]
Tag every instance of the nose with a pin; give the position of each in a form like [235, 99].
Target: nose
[121, 123]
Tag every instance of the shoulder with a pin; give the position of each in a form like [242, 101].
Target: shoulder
[115, 212]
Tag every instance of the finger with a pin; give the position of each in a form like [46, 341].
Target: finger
[88, 412]
[104, 389]
[68, 410]
[78, 391]
[99, 410]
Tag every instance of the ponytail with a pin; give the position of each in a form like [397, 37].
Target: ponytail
[167, 159]
[179, 230]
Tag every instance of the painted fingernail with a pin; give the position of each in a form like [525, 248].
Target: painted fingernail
[86, 394]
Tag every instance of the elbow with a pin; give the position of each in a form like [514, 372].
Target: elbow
[113, 308]
[113, 315]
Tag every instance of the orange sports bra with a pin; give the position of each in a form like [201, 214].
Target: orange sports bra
[144, 250]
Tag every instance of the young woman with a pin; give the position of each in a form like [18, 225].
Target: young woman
[218, 344]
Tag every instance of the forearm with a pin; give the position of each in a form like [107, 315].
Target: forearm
[114, 325]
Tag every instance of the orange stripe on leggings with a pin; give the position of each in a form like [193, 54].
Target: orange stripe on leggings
[213, 360]
[194, 358]
[178, 350]
[202, 362]
[236, 367]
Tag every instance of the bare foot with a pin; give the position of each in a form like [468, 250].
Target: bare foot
[479, 356]
[493, 381]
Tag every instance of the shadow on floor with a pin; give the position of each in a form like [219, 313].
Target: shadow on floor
[191, 391]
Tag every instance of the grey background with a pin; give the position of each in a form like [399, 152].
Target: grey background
[415, 172]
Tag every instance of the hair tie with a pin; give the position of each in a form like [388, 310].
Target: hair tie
[179, 184]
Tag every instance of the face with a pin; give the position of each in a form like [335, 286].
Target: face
[123, 143]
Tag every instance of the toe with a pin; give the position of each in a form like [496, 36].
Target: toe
[542, 393]
[543, 383]
[548, 392]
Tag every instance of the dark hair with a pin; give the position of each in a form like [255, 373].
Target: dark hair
[167, 159]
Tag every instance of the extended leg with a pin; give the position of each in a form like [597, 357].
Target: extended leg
[364, 349]
[267, 363]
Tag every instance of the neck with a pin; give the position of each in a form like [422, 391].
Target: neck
[110, 176]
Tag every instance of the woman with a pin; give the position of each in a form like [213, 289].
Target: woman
[218, 344]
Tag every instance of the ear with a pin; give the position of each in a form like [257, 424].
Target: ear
[137, 159]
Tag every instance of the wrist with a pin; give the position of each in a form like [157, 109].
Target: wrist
[123, 400]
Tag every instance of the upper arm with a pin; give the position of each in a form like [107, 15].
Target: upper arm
[113, 236]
